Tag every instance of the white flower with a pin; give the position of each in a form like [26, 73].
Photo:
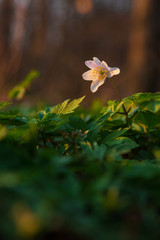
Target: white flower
[98, 73]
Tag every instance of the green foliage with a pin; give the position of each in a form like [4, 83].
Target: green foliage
[68, 173]
[18, 91]
[65, 107]
[4, 104]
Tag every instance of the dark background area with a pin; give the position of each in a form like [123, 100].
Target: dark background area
[56, 37]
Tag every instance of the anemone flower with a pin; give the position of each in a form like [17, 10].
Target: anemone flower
[98, 73]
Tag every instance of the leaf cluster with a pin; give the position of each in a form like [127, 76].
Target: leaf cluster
[68, 173]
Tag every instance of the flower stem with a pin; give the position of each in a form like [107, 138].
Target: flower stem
[119, 97]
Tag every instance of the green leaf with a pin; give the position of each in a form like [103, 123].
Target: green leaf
[110, 108]
[12, 119]
[49, 121]
[147, 119]
[95, 152]
[60, 108]
[4, 104]
[78, 123]
[122, 144]
[102, 118]
[19, 90]
[41, 114]
[65, 107]
[3, 132]
[115, 134]
[145, 101]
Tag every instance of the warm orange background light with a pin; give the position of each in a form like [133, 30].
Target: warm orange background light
[83, 6]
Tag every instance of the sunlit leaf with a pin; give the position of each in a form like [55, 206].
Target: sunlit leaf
[18, 91]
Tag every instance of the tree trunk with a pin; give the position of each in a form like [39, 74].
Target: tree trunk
[136, 77]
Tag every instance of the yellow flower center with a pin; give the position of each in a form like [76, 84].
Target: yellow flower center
[102, 75]
[99, 74]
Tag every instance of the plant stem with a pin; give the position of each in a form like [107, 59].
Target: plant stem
[119, 97]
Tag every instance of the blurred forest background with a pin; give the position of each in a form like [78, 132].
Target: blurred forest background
[55, 37]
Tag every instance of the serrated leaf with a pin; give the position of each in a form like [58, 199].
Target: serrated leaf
[65, 107]
[122, 144]
[113, 107]
[58, 109]
[95, 152]
[140, 97]
[49, 122]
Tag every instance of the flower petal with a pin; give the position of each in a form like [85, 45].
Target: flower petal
[106, 65]
[90, 75]
[96, 60]
[95, 85]
[113, 71]
[91, 64]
